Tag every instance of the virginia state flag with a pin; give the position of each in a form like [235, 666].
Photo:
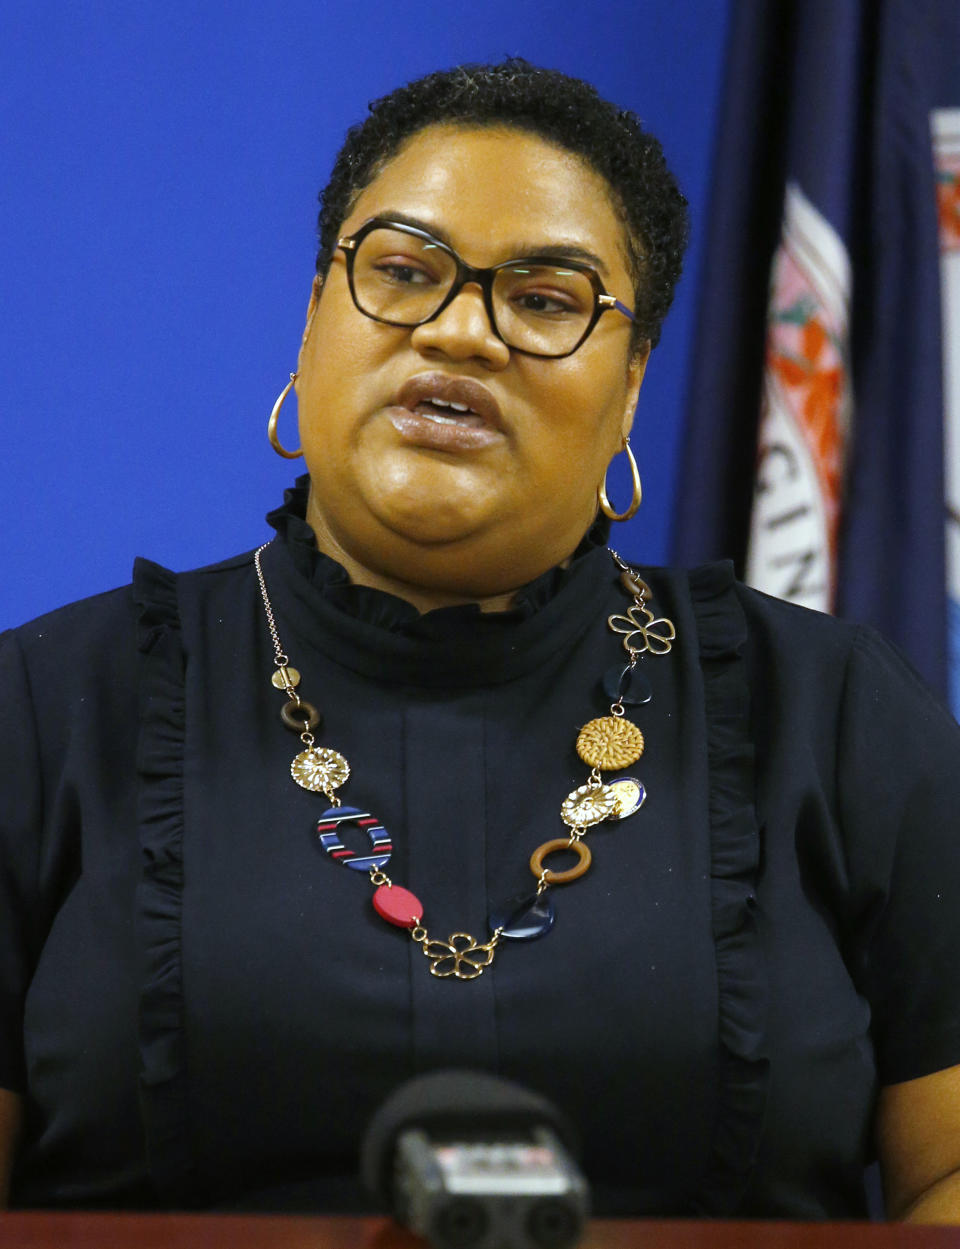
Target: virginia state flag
[819, 446]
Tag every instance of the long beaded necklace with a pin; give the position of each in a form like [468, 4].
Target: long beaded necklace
[608, 743]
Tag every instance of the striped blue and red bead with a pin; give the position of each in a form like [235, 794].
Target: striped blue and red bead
[328, 830]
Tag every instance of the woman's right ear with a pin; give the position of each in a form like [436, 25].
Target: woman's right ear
[315, 290]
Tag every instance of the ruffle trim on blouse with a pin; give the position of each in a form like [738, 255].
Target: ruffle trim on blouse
[163, 1076]
[735, 861]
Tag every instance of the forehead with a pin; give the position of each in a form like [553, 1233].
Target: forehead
[496, 193]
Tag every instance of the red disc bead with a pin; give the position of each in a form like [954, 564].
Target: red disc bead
[398, 906]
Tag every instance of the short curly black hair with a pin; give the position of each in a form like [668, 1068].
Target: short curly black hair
[564, 111]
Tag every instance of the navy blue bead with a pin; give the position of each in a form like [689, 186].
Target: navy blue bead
[524, 919]
[631, 688]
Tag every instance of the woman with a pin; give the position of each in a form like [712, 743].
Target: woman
[754, 980]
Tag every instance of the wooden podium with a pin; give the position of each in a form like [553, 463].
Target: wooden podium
[39, 1230]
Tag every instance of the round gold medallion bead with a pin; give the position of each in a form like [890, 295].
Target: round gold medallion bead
[629, 795]
[610, 743]
[588, 805]
[319, 769]
[284, 677]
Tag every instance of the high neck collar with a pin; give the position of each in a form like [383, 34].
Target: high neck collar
[385, 636]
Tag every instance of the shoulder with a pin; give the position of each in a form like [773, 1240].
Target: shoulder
[75, 628]
[158, 593]
[812, 641]
[712, 590]
[795, 656]
[60, 676]
[93, 636]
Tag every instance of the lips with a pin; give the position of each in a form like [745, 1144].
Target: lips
[437, 412]
[460, 399]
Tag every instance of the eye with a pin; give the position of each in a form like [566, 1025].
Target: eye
[401, 271]
[541, 302]
[540, 292]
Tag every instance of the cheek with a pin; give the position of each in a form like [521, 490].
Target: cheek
[336, 351]
[337, 370]
[580, 416]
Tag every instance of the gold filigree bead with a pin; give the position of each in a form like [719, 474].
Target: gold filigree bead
[461, 957]
[319, 769]
[610, 743]
[588, 805]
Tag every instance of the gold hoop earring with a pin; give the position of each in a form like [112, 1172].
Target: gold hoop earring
[637, 490]
[272, 424]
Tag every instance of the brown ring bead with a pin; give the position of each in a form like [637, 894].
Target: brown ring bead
[634, 584]
[299, 716]
[550, 847]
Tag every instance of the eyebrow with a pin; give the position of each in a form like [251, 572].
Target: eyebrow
[523, 251]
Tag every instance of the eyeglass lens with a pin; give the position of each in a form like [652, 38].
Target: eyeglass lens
[403, 279]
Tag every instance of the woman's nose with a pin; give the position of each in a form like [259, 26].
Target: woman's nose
[463, 331]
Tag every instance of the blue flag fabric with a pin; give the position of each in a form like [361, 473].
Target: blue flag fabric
[814, 452]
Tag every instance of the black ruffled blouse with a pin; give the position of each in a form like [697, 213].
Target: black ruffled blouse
[203, 1008]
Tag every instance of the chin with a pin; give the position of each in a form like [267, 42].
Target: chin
[429, 525]
[433, 511]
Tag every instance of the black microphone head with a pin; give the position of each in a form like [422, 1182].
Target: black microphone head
[453, 1102]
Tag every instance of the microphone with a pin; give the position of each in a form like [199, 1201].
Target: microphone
[470, 1161]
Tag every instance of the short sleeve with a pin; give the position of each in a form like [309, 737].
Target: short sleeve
[21, 818]
[899, 801]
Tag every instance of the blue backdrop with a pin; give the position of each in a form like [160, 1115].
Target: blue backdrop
[160, 164]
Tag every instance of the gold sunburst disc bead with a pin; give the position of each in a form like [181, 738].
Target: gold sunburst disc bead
[588, 805]
[319, 769]
[610, 743]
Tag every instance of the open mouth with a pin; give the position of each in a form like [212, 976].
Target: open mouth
[445, 412]
[448, 413]
[446, 399]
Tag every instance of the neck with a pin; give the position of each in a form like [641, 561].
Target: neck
[423, 598]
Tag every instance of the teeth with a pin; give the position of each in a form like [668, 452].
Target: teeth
[446, 403]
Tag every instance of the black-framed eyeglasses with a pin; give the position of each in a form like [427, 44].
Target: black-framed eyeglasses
[539, 305]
